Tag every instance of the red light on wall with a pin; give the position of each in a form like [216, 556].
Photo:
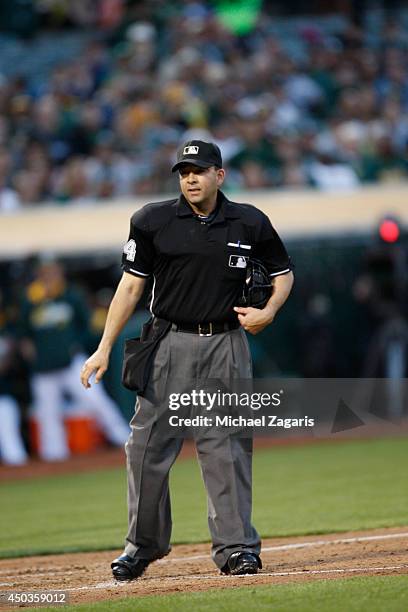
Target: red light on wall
[389, 230]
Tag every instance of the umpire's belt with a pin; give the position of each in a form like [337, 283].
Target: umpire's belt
[204, 329]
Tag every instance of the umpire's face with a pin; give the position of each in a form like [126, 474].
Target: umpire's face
[199, 185]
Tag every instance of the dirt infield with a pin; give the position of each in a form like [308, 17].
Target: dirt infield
[86, 577]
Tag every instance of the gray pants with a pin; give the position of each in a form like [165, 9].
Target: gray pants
[225, 459]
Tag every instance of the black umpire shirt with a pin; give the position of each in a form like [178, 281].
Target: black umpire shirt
[198, 264]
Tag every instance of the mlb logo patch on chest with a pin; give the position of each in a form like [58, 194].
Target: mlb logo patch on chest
[237, 261]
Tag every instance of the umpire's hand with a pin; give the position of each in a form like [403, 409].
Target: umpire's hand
[254, 320]
[98, 362]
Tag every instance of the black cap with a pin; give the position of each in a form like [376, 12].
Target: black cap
[199, 153]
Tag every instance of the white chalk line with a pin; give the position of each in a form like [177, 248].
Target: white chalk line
[115, 584]
[302, 545]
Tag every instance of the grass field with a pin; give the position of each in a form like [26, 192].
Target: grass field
[297, 490]
[375, 594]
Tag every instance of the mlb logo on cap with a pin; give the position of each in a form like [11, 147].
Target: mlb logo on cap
[190, 150]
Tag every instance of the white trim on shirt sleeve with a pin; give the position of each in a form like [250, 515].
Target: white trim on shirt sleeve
[136, 272]
[281, 272]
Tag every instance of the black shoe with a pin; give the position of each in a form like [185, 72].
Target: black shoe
[128, 568]
[240, 563]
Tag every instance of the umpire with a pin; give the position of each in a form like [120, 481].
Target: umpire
[196, 249]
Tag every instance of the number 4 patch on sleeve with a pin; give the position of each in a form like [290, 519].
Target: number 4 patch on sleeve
[130, 250]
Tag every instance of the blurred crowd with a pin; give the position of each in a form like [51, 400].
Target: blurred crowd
[320, 104]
